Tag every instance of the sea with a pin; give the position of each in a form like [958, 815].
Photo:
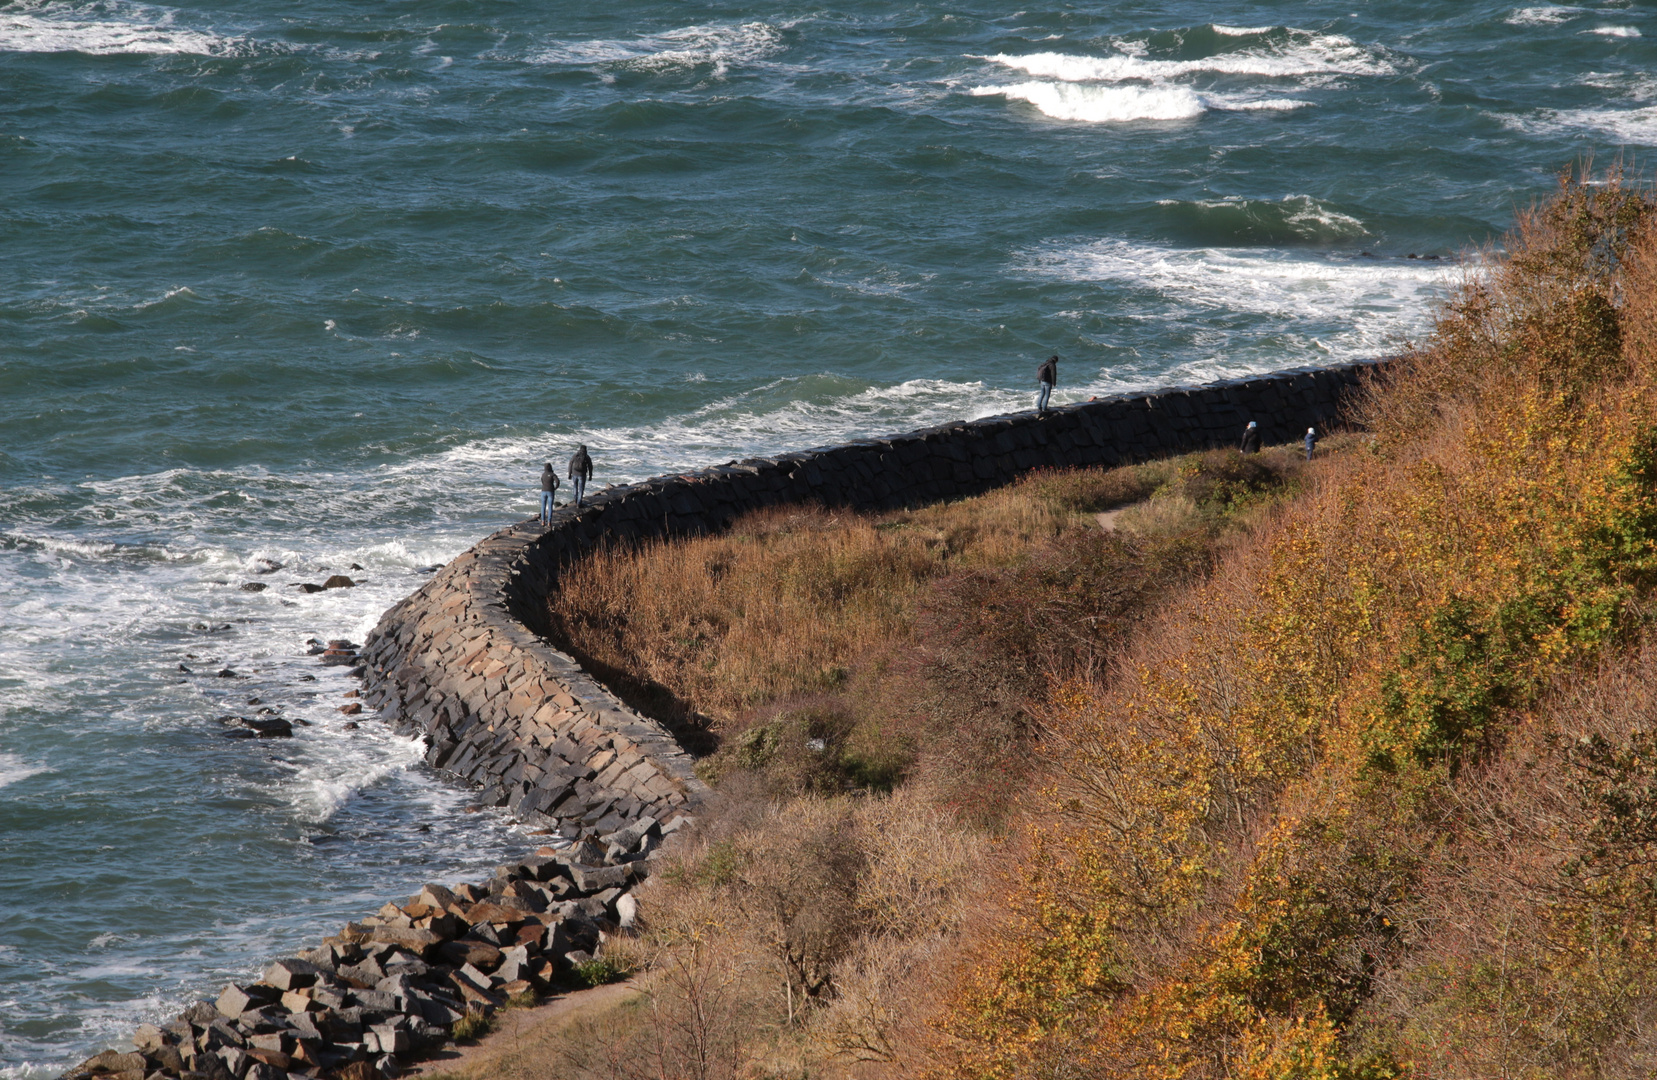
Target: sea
[297, 289]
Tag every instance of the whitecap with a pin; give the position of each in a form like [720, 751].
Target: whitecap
[1240, 31]
[718, 45]
[1120, 104]
[14, 768]
[1542, 16]
[1615, 31]
[1317, 54]
[1102, 104]
[103, 29]
[1628, 126]
[1368, 301]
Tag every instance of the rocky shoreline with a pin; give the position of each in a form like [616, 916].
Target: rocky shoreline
[389, 990]
[460, 663]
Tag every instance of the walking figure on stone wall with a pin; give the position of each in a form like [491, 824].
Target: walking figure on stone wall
[1251, 439]
[581, 471]
[1048, 376]
[549, 485]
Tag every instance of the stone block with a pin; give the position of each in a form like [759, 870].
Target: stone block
[236, 1000]
[291, 973]
[415, 939]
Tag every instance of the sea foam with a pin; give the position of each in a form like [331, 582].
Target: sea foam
[1333, 307]
[717, 45]
[14, 768]
[103, 29]
[1542, 16]
[1320, 54]
[1118, 104]
[1131, 85]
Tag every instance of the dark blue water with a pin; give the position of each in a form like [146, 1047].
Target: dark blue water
[323, 284]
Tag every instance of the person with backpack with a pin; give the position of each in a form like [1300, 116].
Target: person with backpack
[549, 485]
[581, 471]
[1048, 376]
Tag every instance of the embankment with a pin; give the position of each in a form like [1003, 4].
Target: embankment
[462, 661]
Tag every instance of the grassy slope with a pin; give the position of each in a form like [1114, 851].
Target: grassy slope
[1331, 772]
[1280, 849]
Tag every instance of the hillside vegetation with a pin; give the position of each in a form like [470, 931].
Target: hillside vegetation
[1336, 770]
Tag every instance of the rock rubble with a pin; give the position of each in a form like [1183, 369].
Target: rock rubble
[386, 990]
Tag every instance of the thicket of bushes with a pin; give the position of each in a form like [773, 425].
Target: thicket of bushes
[1347, 770]
[1337, 817]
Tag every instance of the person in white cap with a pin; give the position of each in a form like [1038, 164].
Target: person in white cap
[1251, 439]
[1311, 441]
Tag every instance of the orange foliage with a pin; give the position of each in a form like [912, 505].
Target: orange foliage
[1242, 816]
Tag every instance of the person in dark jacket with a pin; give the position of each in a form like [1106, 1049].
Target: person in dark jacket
[581, 471]
[1251, 438]
[1048, 376]
[1311, 441]
[549, 484]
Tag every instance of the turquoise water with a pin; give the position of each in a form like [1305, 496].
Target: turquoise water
[322, 284]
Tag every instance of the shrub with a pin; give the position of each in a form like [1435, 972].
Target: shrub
[1243, 824]
[601, 970]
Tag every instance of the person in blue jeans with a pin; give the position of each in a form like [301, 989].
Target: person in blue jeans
[1048, 376]
[581, 471]
[549, 485]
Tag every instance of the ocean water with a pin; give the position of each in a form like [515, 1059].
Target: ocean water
[291, 288]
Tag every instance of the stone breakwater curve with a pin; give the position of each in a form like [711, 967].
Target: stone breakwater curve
[461, 662]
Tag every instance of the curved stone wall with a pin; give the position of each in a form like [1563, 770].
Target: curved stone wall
[461, 661]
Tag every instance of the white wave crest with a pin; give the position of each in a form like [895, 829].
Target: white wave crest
[1119, 104]
[1335, 307]
[1542, 16]
[1615, 31]
[1635, 127]
[1241, 31]
[1317, 54]
[14, 768]
[1102, 104]
[104, 29]
[720, 46]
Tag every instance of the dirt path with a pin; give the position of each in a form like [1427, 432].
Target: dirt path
[525, 1045]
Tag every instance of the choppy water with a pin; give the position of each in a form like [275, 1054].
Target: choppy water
[322, 284]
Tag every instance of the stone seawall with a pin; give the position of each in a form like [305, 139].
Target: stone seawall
[461, 661]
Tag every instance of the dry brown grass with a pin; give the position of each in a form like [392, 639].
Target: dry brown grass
[874, 682]
[1270, 854]
[829, 650]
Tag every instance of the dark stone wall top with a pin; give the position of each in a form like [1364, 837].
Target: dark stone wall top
[460, 661]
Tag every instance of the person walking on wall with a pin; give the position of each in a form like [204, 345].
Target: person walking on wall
[581, 471]
[1048, 376]
[549, 484]
[1311, 441]
[1251, 439]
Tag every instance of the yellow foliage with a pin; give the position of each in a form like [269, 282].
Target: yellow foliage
[1244, 811]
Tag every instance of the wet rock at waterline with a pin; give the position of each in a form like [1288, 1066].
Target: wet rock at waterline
[389, 989]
